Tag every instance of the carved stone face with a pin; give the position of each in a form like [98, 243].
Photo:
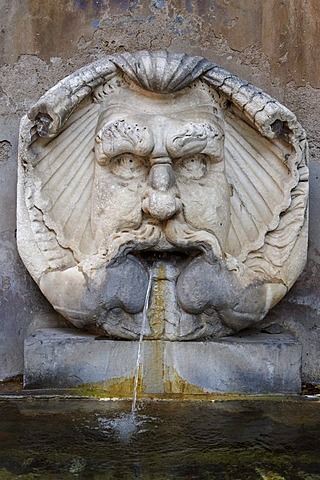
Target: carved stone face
[151, 203]
[160, 159]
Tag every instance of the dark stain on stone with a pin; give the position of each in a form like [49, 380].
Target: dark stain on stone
[5, 148]
[6, 282]
[96, 4]
[51, 29]
[121, 6]
[189, 6]
[82, 3]
[158, 4]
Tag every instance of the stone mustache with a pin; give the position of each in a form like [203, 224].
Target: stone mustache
[162, 164]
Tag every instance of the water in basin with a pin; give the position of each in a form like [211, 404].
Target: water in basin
[101, 440]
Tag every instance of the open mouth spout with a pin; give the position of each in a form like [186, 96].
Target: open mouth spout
[175, 258]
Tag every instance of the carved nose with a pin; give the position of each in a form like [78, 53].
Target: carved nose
[162, 199]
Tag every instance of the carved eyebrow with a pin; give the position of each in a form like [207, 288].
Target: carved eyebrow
[132, 133]
[193, 138]
[122, 137]
[194, 131]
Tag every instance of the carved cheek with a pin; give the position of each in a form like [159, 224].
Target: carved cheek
[195, 203]
[126, 206]
[116, 205]
[206, 205]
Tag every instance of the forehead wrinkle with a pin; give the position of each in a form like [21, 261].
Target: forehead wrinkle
[184, 102]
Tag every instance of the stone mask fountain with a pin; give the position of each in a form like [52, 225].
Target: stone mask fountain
[164, 169]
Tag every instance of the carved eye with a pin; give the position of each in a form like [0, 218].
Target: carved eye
[129, 166]
[192, 166]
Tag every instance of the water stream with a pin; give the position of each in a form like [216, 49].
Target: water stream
[143, 326]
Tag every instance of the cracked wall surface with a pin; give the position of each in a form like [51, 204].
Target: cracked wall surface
[273, 44]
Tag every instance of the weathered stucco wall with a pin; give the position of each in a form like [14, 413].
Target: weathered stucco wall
[272, 44]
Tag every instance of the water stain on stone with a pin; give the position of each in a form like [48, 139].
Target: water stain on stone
[157, 310]
[175, 384]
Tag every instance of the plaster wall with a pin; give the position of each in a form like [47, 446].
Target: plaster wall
[272, 44]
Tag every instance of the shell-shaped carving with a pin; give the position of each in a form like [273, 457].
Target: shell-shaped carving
[255, 167]
[162, 71]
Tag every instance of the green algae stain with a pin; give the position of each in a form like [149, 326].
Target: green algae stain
[175, 384]
[113, 388]
[268, 475]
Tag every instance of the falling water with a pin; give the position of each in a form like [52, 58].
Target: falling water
[144, 321]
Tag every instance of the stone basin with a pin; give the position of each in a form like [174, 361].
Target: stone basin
[51, 437]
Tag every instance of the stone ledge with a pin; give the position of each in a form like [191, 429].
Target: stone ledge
[252, 364]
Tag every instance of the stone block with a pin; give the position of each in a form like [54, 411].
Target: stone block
[252, 364]
[64, 358]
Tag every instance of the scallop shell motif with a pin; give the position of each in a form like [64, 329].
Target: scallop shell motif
[162, 71]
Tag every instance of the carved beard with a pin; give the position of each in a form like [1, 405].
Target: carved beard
[116, 291]
[173, 235]
[202, 295]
